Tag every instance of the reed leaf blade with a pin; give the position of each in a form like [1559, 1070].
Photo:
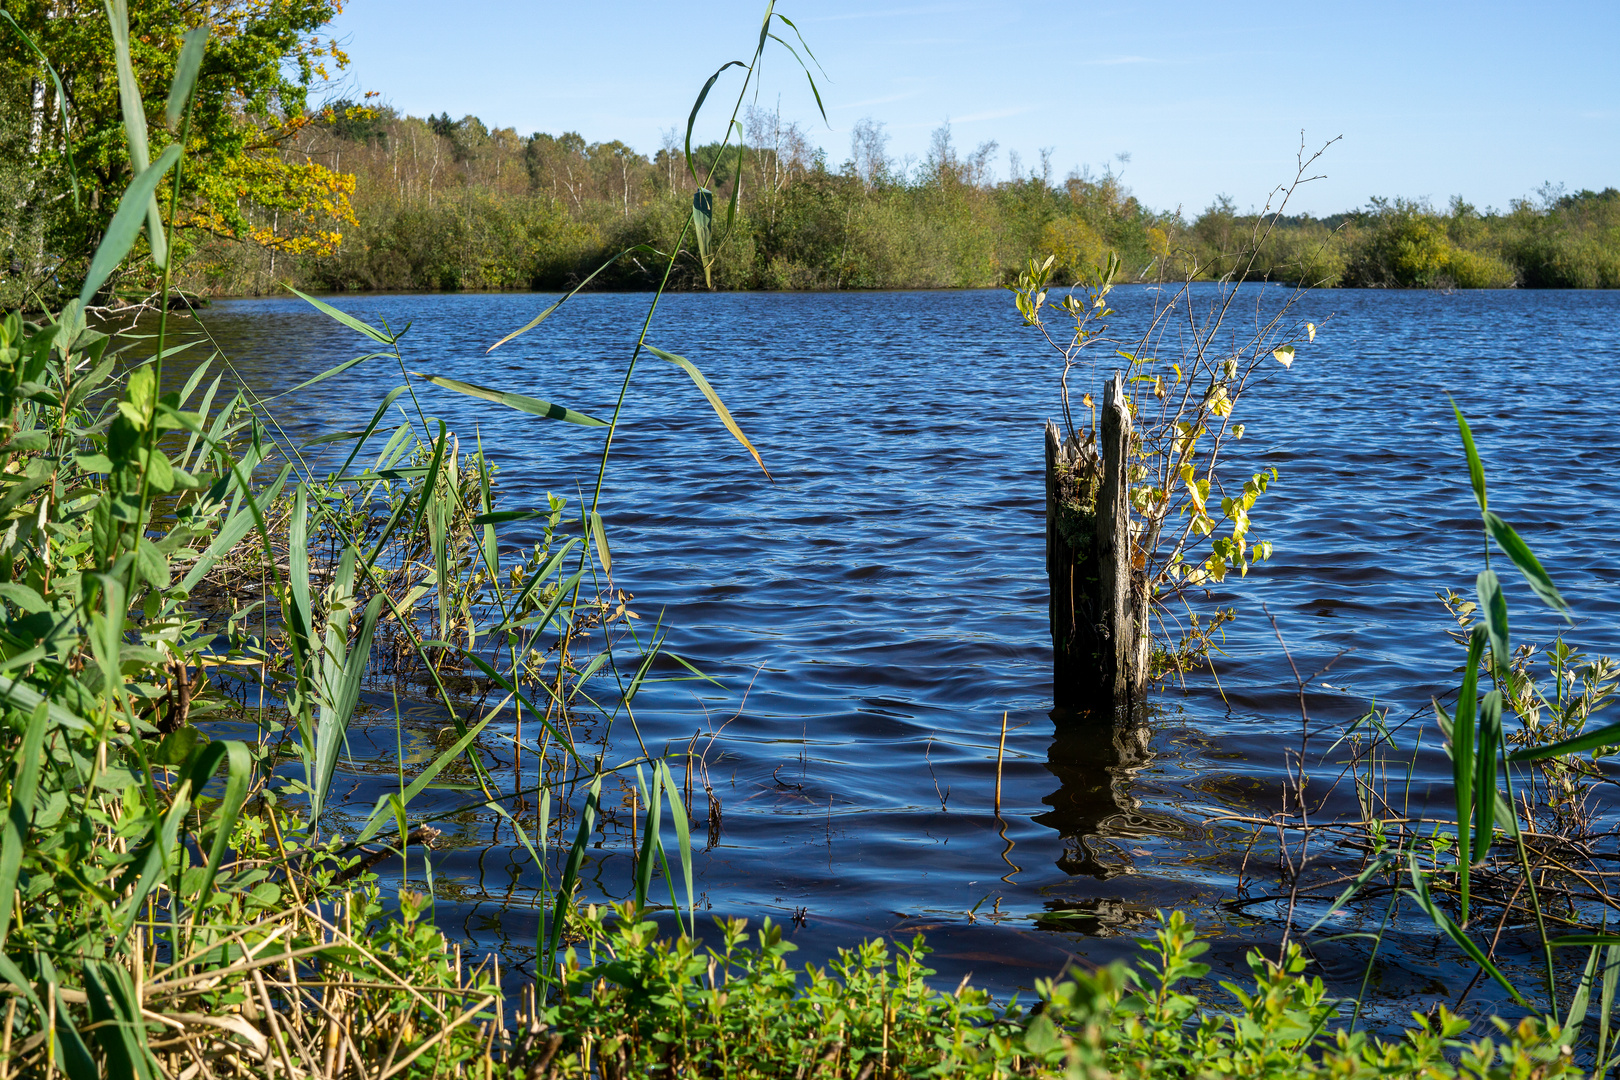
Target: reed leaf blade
[1476, 470]
[565, 887]
[20, 811]
[1608, 735]
[185, 74]
[697, 106]
[346, 319]
[1519, 552]
[1486, 765]
[135, 134]
[61, 102]
[521, 402]
[599, 535]
[1420, 894]
[1580, 1003]
[1493, 608]
[546, 314]
[683, 836]
[126, 224]
[719, 406]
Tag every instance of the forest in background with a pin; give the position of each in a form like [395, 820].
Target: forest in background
[442, 204]
[355, 196]
[451, 204]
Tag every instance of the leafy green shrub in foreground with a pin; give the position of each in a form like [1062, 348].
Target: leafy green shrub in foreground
[649, 1007]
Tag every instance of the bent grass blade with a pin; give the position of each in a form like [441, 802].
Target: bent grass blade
[546, 314]
[61, 103]
[126, 224]
[327, 374]
[521, 402]
[565, 887]
[720, 409]
[348, 320]
[1420, 893]
[1519, 552]
[1609, 735]
[134, 111]
[599, 535]
[379, 814]
[697, 106]
[1476, 470]
[185, 74]
[683, 835]
[19, 813]
[651, 845]
[1462, 763]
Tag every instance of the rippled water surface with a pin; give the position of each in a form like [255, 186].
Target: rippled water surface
[875, 611]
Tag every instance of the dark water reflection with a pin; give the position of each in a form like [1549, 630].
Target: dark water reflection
[875, 611]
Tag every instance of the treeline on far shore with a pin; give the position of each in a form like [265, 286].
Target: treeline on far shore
[444, 205]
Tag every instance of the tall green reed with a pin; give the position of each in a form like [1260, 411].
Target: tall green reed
[111, 527]
[1494, 810]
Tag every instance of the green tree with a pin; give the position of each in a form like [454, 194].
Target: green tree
[251, 97]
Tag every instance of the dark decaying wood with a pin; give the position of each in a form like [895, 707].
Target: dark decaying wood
[1098, 596]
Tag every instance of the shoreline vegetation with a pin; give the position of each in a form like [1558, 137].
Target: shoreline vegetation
[178, 903]
[441, 205]
[447, 206]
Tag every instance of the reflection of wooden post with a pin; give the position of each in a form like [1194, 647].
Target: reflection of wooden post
[1098, 597]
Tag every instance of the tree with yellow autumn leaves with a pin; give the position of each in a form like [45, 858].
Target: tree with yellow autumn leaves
[64, 158]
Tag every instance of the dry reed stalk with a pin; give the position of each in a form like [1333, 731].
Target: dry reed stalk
[1000, 751]
[436, 1038]
[5, 1040]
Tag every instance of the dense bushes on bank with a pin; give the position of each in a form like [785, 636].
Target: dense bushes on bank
[451, 205]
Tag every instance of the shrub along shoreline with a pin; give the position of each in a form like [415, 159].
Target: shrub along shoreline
[441, 205]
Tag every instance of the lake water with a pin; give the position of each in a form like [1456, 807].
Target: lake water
[876, 610]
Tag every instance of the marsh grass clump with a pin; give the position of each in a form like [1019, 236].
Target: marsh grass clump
[1512, 865]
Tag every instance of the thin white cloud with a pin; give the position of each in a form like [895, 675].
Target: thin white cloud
[992, 114]
[876, 101]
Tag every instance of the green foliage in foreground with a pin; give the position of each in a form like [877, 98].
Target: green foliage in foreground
[650, 1007]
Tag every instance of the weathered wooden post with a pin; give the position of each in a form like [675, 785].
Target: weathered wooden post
[1098, 603]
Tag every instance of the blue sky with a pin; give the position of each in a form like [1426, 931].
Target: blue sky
[1485, 100]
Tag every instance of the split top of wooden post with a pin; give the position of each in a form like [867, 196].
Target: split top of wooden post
[1114, 392]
